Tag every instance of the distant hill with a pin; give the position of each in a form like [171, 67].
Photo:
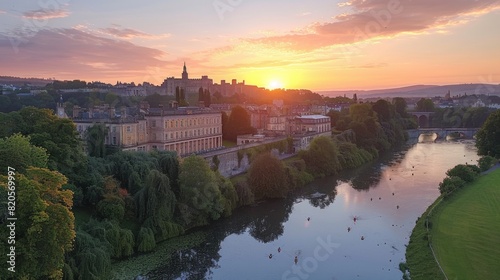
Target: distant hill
[420, 91]
[17, 81]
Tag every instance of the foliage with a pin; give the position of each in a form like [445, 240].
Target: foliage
[230, 198]
[322, 157]
[267, 177]
[450, 184]
[486, 162]
[155, 205]
[95, 137]
[238, 123]
[350, 156]
[16, 151]
[200, 196]
[90, 258]
[488, 137]
[146, 240]
[464, 172]
[45, 223]
[245, 194]
[425, 105]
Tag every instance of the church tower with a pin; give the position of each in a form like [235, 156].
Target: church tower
[184, 72]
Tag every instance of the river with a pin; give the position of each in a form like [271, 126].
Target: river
[351, 226]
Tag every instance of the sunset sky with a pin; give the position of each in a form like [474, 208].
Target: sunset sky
[313, 44]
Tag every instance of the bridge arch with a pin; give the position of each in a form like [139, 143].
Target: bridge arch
[423, 119]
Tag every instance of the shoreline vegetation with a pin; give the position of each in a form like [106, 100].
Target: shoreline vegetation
[428, 252]
[133, 201]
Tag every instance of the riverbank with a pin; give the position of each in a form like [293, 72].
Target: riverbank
[464, 231]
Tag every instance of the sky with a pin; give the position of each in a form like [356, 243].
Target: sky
[313, 44]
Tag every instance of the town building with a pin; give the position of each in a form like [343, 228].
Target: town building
[186, 130]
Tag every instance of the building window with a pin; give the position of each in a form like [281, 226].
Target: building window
[114, 140]
[153, 123]
[171, 135]
[128, 128]
[113, 129]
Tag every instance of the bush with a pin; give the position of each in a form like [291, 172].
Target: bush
[450, 184]
[486, 162]
[466, 172]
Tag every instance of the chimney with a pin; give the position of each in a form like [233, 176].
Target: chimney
[174, 105]
[112, 112]
[76, 112]
[124, 112]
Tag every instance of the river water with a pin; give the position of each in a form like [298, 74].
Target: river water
[351, 226]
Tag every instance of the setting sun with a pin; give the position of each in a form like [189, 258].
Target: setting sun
[274, 84]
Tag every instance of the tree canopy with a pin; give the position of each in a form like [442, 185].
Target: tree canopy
[488, 137]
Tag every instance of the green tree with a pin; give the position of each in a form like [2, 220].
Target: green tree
[425, 105]
[45, 224]
[400, 106]
[199, 192]
[322, 157]
[16, 151]
[488, 136]
[155, 205]
[486, 162]
[96, 137]
[238, 123]
[450, 184]
[465, 172]
[267, 177]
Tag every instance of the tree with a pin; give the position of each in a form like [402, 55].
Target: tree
[488, 136]
[155, 206]
[237, 124]
[486, 162]
[384, 110]
[267, 177]
[200, 196]
[96, 136]
[322, 157]
[450, 184]
[400, 106]
[425, 105]
[16, 151]
[464, 172]
[45, 224]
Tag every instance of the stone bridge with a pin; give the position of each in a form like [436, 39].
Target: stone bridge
[442, 132]
[423, 119]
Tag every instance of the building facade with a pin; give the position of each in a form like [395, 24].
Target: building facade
[184, 130]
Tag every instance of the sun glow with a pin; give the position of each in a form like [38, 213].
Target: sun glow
[274, 84]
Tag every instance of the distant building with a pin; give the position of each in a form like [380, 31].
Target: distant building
[312, 123]
[249, 138]
[190, 86]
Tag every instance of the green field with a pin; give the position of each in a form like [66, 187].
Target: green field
[466, 230]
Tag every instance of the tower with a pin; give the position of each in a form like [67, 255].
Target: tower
[184, 72]
[60, 108]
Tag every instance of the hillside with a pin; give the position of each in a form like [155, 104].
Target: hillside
[420, 91]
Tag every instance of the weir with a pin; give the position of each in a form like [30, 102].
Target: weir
[442, 132]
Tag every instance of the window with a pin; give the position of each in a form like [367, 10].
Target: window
[114, 140]
[128, 128]
[171, 135]
[113, 129]
[153, 123]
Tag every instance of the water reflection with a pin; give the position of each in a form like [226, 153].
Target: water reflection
[385, 197]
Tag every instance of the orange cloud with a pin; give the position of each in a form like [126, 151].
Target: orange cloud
[128, 33]
[379, 18]
[69, 53]
[42, 14]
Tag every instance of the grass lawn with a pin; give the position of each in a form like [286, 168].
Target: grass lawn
[466, 230]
